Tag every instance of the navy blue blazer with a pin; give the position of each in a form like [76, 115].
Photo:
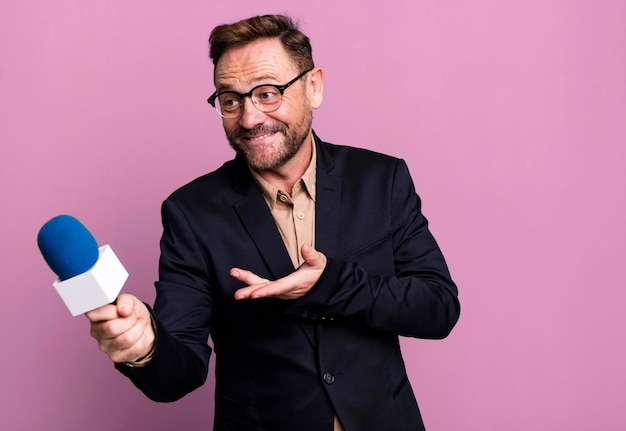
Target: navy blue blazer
[294, 365]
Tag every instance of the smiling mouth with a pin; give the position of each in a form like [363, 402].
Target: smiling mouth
[259, 137]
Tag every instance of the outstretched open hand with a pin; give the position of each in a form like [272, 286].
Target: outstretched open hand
[292, 286]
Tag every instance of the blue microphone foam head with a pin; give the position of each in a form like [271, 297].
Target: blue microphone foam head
[67, 246]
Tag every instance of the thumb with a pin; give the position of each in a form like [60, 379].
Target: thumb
[310, 255]
[125, 304]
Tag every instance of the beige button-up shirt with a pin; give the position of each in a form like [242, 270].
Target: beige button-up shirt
[293, 213]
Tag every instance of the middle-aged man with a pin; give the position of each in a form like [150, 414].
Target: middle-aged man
[304, 261]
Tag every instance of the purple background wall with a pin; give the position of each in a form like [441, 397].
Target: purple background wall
[511, 116]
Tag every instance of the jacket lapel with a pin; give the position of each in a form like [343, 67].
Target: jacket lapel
[259, 223]
[328, 199]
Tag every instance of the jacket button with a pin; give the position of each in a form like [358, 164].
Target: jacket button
[329, 379]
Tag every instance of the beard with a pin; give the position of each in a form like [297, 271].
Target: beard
[274, 156]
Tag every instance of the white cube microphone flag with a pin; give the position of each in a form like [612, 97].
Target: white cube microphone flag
[88, 276]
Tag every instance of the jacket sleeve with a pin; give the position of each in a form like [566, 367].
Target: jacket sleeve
[181, 356]
[418, 300]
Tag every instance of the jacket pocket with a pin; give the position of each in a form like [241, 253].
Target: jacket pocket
[361, 249]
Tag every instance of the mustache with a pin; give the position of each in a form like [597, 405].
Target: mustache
[261, 129]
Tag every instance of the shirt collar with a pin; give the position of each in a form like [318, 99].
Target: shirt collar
[306, 182]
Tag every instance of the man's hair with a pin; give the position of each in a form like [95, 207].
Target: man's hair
[296, 43]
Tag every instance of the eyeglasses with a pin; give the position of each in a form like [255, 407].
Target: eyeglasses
[265, 97]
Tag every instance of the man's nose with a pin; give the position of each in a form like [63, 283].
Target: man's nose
[250, 115]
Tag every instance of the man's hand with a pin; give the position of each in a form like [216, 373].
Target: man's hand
[124, 329]
[292, 286]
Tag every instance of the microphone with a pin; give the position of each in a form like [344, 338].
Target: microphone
[88, 276]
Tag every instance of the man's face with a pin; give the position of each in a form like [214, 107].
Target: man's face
[267, 140]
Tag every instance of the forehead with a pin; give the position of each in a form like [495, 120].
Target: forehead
[250, 63]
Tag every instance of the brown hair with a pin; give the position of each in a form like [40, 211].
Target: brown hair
[295, 42]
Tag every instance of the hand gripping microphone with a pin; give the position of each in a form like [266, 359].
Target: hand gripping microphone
[88, 277]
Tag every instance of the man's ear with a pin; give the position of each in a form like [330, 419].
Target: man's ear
[316, 86]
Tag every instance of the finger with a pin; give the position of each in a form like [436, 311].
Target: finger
[129, 346]
[246, 276]
[306, 251]
[104, 313]
[126, 339]
[126, 304]
[311, 256]
[134, 343]
[123, 306]
[112, 328]
[275, 288]
[133, 312]
[247, 292]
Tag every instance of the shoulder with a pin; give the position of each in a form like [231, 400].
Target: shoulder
[333, 157]
[215, 186]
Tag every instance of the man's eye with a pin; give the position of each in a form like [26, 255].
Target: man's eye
[268, 95]
[229, 102]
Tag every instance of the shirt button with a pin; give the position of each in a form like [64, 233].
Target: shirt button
[283, 198]
[300, 216]
[329, 379]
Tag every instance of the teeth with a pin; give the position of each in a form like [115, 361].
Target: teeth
[256, 138]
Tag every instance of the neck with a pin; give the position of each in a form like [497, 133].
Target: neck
[287, 175]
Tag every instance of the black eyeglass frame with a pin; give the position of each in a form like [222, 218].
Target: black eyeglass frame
[281, 89]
